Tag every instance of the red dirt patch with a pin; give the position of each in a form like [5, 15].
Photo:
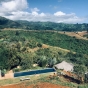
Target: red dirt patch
[47, 85]
[13, 86]
[39, 85]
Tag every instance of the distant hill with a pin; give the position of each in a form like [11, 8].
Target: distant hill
[23, 24]
[6, 23]
[53, 26]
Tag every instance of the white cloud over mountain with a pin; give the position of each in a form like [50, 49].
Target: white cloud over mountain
[59, 13]
[19, 10]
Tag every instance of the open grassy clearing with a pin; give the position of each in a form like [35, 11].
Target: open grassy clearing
[17, 79]
[39, 81]
[78, 35]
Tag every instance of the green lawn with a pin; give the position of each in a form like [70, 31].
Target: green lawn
[17, 79]
[34, 79]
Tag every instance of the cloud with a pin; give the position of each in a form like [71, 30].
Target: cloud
[35, 10]
[59, 13]
[13, 5]
[42, 14]
[13, 10]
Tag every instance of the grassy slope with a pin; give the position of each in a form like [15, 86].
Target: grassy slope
[79, 35]
[42, 78]
[7, 35]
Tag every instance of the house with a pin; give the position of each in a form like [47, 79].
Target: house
[64, 66]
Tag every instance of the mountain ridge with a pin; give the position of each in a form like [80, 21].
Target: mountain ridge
[7, 23]
[23, 24]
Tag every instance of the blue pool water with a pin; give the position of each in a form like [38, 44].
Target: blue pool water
[17, 74]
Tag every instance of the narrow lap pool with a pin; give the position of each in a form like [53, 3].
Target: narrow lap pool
[17, 74]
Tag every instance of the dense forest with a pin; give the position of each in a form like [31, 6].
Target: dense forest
[24, 48]
[53, 26]
[6, 23]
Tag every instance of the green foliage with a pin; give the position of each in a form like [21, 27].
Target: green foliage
[26, 61]
[26, 64]
[39, 45]
[32, 44]
[3, 72]
[17, 33]
[8, 58]
[6, 23]
[43, 61]
[52, 62]
[15, 49]
[82, 86]
[53, 26]
[80, 69]
[16, 70]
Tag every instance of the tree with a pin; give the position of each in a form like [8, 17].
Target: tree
[39, 45]
[80, 69]
[17, 33]
[2, 73]
[8, 58]
[52, 61]
[26, 61]
[43, 61]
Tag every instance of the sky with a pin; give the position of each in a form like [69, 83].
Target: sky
[65, 11]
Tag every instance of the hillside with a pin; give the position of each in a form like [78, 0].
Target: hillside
[25, 49]
[79, 35]
[53, 26]
[23, 24]
[19, 48]
[6, 23]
